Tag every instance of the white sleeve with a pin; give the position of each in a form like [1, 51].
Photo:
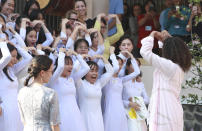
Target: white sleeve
[13, 40]
[6, 56]
[10, 24]
[115, 63]
[134, 74]
[23, 33]
[40, 52]
[101, 66]
[101, 49]
[76, 66]
[49, 39]
[20, 41]
[3, 36]
[70, 44]
[106, 76]
[26, 59]
[87, 37]
[63, 35]
[84, 69]
[53, 56]
[165, 65]
[58, 70]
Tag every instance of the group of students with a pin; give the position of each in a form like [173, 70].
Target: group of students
[75, 81]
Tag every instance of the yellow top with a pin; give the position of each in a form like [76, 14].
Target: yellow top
[110, 40]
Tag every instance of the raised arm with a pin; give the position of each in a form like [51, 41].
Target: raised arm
[59, 68]
[87, 37]
[23, 27]
[6, 56]
[73, 37]
[63, 28]
[189, 25]
[26, 59]
[49, 37]
[109, 73]
[114, 38]
[19, 39]
[165, 65]
[135, 67]
[84, 69]
[115, 63]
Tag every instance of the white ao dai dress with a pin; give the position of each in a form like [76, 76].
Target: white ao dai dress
[114, 113]
[90, 100]
[70, 115]
[135, 89]
[10, 119]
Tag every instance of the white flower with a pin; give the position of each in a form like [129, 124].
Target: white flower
[189, 79]
[195, 42]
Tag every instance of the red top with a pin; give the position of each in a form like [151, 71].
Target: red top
[145, 30]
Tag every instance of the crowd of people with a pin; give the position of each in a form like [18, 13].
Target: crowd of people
[84, 79]
[177, 18]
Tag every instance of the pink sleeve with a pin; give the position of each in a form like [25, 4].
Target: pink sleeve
[165, 65]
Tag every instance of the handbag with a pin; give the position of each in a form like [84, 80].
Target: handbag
[136, 119]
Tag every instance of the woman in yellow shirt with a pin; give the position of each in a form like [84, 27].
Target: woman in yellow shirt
[101, 26]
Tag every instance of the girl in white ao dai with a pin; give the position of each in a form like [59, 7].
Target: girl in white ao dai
[63, 83]
[114, 113]
[89, 90]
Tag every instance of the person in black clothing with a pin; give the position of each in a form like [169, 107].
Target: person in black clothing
[194, 25]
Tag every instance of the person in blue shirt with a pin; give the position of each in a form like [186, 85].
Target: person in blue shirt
[177, 19]
[115, 7]
[168, 4]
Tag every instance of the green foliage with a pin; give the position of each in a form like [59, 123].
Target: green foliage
[196, 50]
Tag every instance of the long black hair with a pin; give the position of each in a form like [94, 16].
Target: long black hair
[28, 30]
[35, 14]
[28, 4]
[5, 69]
[117, 50]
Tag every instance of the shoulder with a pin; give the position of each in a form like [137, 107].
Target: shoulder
[22, 91]
[50, 94]
[48, 90]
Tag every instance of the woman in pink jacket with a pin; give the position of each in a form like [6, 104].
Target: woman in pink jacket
[166, 113]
